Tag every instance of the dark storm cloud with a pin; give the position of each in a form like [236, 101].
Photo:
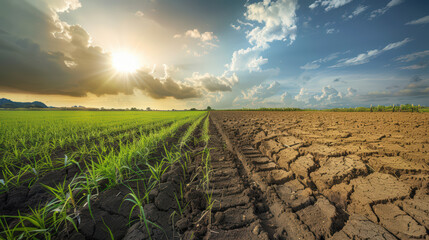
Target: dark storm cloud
[77, 69]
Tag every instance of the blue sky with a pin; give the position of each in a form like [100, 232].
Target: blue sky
[226, 54]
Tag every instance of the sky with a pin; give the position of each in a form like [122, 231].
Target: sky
[178, 54]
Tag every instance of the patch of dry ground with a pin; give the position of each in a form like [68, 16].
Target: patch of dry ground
[334, 175]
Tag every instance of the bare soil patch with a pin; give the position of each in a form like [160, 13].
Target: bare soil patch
[335, 175]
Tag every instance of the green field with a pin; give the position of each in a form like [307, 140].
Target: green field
[102, 149]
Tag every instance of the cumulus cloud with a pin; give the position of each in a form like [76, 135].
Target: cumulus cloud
[422, 20]
[383, 10]
[274, 94]
[278, 21]
[284, 96]
[262, 91]
[301, 95]
[278, 18]
[206, 41]
[328, 93]
[257, 94]
[351, 92]
[195, 33]
[256, 63]
[243, 58]
[213, 83]
[64, 5]
[365, 57]
[329, 4]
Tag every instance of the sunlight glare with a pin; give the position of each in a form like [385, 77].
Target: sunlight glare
[125, 62]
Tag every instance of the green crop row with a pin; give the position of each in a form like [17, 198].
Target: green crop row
[129, 163]
[31, 163]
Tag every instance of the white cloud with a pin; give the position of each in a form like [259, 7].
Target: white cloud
[256, 95]
[394, 3]
[329, 94]
[241, 59]
[236, 27]
[413, 56]
[278, 19]
[396, 44]
[383, 10]
[422, 20]
[244, 23]
[195, 33]
[205, 41]
[421, 65]
[327, 97]
[214, 83]
[255, 64]
[301, 95]
[331, 31]
[139, 14]
[65, 5]
[329, 4]
[310, 66]
[351, 92]
[365, 57]
[207, 36]
[360, 9]
[284, 96]
[316, 63]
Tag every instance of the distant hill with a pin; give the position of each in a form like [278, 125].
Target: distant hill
[6, 103]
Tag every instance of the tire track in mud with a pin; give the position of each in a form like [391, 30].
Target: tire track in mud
[240, 211]
[282, 223]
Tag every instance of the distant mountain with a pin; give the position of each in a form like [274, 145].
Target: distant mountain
[6, 103]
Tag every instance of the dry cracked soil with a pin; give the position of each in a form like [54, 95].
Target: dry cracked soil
[320, 175]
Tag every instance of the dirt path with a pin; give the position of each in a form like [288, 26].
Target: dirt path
[320, 178]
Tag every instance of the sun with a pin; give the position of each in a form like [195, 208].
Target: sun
[125, 62]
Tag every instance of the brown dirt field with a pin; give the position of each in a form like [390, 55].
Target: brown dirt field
[321, 175]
